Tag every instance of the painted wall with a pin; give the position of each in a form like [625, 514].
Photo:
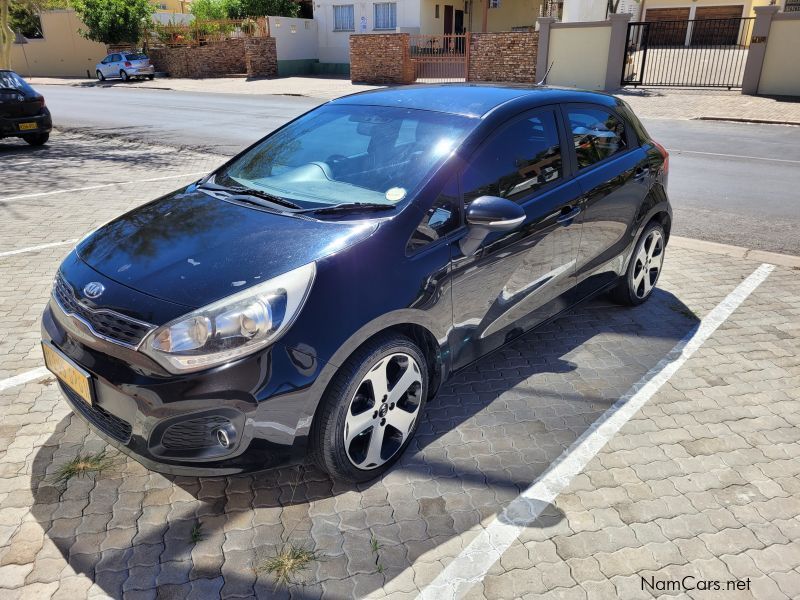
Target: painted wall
[334, 46]
[297, 39]
[579, 56]
[172, 6]
[62, 52]
[780, 74]
[510, 14]
[583, 10]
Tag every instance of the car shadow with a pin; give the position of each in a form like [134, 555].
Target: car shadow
[489, 433]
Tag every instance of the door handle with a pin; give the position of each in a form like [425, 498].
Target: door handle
[568, 213]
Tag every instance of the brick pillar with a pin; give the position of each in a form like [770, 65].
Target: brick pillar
[260, 57]
[616, 50]
[381, 58]
[758, 48]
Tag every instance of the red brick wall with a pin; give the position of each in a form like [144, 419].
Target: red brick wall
[381, 58]
[216, 59]
[261, 57]
[505, 56]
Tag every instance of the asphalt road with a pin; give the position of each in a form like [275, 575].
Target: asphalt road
[734, 183]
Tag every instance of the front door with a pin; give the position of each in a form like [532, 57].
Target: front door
[520, 278]
[614, 175]
[448, 19]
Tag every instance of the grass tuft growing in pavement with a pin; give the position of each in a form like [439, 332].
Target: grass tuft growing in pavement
[82, 465]
[287, 563]
[197, 532]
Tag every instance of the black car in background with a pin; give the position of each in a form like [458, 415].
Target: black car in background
[23, 113]
[310, 295]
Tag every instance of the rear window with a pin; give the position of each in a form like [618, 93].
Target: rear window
[136, 57]
[11, 81]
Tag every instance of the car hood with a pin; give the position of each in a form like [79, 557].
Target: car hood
[192, 249]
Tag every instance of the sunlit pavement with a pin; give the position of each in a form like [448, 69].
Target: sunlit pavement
[702, 482]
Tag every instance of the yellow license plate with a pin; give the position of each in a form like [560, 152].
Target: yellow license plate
[73, 376]
[27, 126]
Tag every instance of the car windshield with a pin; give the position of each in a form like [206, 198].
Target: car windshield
[11, 81]
[349, 154]
[135, 57]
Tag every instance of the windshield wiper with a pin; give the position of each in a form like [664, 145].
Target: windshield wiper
[252, 194]
[348, 207]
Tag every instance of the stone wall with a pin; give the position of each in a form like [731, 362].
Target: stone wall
[257, 57]
[506, 56]
[380, 58]
[261, 57]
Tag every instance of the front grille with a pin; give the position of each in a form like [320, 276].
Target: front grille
[112, 426]
[193, 433]
[104, 323]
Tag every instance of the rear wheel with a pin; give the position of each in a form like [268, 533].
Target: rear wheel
[100, 76]
[124, 76]
[644, 268]
[371, 410]
[39, 139]
[151, 77]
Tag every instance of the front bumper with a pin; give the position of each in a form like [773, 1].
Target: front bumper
[168, 422]
[10, 126]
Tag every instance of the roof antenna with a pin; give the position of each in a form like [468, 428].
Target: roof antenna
[546, 73]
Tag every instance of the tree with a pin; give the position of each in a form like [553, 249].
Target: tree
[113, 21]
[206, 10]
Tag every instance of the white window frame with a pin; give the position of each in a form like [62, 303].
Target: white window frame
[352, 17]
[393, 16]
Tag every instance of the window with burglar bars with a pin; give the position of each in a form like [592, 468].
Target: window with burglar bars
[792, 6]
[385, 15]
[344, 18]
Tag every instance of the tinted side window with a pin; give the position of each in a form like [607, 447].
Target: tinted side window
[597, 134]
[522, 158]
[116, 58]
[442, 218]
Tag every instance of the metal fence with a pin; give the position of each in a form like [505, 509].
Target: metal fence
[199, 33]
[687, 53]
[440, 58]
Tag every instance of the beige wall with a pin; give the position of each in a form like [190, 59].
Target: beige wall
[780, 74]
[579, 56]
[173, 6]
[510, 14]
[61, 53]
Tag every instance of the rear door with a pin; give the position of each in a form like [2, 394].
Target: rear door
[519, 278]
[614, 176]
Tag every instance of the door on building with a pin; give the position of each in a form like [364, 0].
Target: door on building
[717, 25]
[459, 22]
[448, 19]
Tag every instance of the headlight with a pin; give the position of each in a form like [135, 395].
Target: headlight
[232, 327]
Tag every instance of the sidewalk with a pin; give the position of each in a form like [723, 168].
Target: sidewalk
[650, 103]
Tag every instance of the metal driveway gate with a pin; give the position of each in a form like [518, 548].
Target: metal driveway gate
[440, 58]
[687, 53]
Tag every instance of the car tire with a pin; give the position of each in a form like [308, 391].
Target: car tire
[644, 268]
[124, 76]
[39, 139]
[151, 77]
[100, 76]
[351, 416]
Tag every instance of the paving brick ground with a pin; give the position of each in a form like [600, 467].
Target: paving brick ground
[704, 481]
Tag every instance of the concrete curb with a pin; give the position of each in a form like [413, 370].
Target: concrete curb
[783, 260]
[741, 120]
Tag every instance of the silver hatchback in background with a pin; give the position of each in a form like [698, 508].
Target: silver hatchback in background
[125, 65]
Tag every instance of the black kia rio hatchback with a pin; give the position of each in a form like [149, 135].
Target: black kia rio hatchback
[312, 293]
[23, 113]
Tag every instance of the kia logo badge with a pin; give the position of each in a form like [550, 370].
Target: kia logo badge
[94, 289]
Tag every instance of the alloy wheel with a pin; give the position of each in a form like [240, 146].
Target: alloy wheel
[383, 411]
[647, 265]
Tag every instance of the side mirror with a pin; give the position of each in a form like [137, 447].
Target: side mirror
[486, 215]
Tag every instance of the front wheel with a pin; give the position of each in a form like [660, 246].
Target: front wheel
[39, 139]
[371, 410]
[151, 77]
[644, 268]
[124, 76]
[100, 76]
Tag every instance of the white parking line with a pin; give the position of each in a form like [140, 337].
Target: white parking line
[781, 160]
[97, 187]
[471, 566]
[23, 378]
[35, 248]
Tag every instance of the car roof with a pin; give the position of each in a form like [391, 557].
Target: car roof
[470, 99]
